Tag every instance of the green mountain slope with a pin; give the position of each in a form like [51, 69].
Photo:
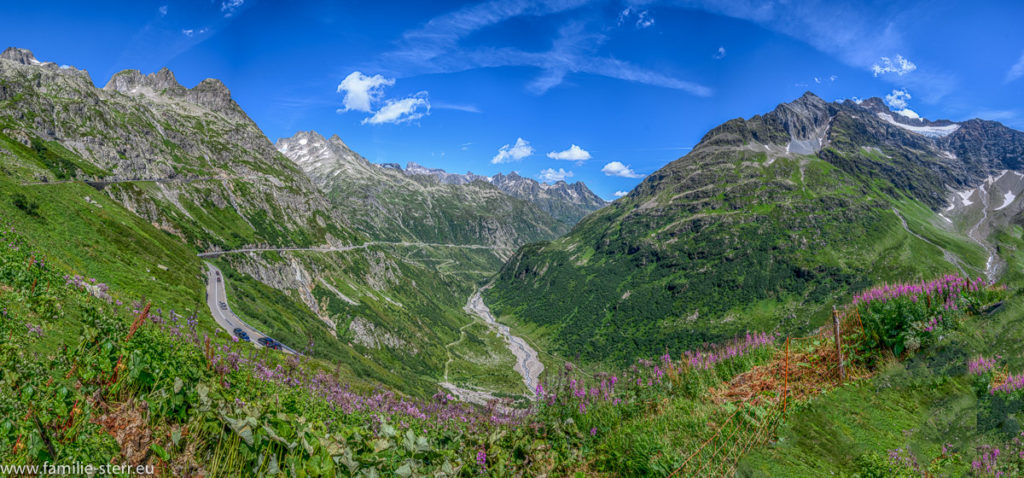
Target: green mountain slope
[126, 184]
[762, 226]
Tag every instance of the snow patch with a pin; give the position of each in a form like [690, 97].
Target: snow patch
[1007, 200]
[943, 216]
[929, 131]
[964, 195]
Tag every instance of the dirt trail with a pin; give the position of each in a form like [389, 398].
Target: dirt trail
[949, 256]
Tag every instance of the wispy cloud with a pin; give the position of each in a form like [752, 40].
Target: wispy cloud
[550, 175]
[619, 194]
[229, 7]
[1016, 71]
[616, 168]
[456, 107]
[643, 17]
[437, 48]
[162, 10]
[574, 153]
[899, 65]
[190, 32]
[719, 54]
[513, 152]
[401, 111]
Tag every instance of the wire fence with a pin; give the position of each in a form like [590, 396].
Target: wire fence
[803, 367]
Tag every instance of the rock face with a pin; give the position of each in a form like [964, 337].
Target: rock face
[785, 209]
[202, 155]
[210, 94]
[389, 204]
[566, 202]
[19, 55]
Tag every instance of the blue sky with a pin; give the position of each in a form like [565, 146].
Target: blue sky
[607, 91]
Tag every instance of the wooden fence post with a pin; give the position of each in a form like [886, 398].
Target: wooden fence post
[839, 344]
[785, 393]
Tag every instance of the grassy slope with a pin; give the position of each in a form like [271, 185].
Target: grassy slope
[682, 302]
[924, 403]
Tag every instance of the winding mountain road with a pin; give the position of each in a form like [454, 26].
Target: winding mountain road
[345, 248]
[215, 295]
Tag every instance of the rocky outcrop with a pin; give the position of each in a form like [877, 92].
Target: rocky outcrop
[205, 156]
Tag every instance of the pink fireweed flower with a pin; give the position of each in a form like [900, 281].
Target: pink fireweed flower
[979, 365]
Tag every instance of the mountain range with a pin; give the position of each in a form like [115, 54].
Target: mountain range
[765, 224]
[137, 216]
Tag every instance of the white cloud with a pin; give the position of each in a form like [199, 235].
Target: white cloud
[162, 10]
[361, 90]
[901, 66]
[833, 78]
[1016, 71]
[719, 54]
[229, 6]
[817, 80]
[616, 168]
[192, 32]
[516, 152]
[550, 175]
[465, 146]
[401, 111]
[644, 20]
[624, 15]
[619, 194]
[897, 99]
[908, 114]
[574, 153]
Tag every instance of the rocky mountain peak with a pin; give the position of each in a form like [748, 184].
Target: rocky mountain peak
[20, 55]
[212, 94]
[209, 93]
[133, 81]
[804, 118]
[164, 80]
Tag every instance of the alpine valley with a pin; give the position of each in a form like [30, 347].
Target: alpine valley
[180, 292]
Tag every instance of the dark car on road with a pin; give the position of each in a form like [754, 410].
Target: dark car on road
[241, 334]
[269, 343]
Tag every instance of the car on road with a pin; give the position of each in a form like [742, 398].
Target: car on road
[218, 279]
[224, 306]
[241, 334]
[269, 343]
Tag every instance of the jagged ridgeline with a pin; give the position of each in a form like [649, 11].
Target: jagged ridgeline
[763, 225]
[430, 205]
[129, 182]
